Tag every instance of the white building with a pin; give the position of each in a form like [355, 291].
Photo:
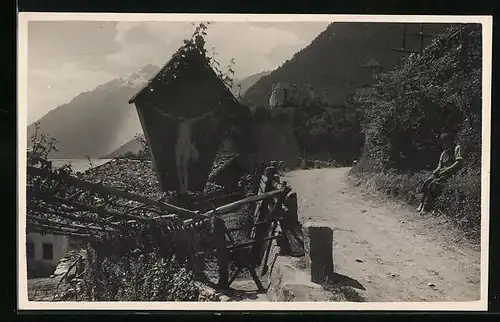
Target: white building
[43, 253]
[285, 94]
[278, 95]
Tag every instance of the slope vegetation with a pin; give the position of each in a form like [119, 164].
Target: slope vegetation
[333, 63]
[439, 91]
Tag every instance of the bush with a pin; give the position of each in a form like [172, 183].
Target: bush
[140, 264]
[439, 91]
[320, 127]
[146, 277]
[459, 201]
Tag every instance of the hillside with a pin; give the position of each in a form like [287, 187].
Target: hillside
[247, 82]
[131, 146]
[442, 94]
[96, 122]
[333, 63]
[101, 123]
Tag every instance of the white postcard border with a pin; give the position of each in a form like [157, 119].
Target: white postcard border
[24, 304]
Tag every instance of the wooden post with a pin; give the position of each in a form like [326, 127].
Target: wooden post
[222, 252]
[263, 230]
[263, 209]
[260, 231]
[292, 243]
[277, 210]
[195, 260]
[257, 177]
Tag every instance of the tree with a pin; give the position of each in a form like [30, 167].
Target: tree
[438, 91]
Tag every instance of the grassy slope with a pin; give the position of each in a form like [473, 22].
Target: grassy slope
[433, 77]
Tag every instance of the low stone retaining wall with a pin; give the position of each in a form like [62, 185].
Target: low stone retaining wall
[288, 282]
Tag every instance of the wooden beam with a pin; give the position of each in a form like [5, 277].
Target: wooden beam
[43, 229]
[97, 210]
[73, 217]
[110, 191]
[263, 231]
[231, 206]
[245, 244]
[222, 252]
[67, 225]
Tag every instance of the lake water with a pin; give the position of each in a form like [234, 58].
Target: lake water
[78, 164]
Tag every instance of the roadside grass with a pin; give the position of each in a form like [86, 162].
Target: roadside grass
[460, 200]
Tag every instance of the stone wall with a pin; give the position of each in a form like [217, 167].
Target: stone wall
[37, 264]
[290, 280]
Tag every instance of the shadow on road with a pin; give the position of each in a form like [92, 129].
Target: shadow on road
[343, 288]
[346, 281]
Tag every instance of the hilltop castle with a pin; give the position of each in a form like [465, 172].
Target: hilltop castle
[284, 94]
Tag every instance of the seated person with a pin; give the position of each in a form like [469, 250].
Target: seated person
[449, 163]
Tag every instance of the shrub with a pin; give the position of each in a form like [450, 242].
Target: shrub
[428, 94]
[146, 277]
[438, 91]
[460, 200]
[135, 265]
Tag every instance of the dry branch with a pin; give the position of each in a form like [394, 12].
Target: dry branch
[44, 229]
[98, 210]
[109, 191]
[77, 227]
[67, 215]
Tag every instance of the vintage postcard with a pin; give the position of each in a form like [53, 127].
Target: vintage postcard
[242, 162]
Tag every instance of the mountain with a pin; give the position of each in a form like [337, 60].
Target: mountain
[337, 61]
[95, 123]
[131, 146]
[247, 82]
[101, 123]
[134, 146]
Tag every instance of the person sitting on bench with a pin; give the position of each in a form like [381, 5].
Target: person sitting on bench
[450, 162]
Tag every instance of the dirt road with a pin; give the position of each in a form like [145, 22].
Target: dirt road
[396, 254]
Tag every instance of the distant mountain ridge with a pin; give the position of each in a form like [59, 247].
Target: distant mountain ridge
[95, 122]
[100, 122]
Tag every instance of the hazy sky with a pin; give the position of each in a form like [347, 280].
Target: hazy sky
[68, 57]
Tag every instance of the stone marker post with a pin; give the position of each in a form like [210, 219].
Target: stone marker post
[318, 244]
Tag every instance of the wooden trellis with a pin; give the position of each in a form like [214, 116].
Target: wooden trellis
[60, 203]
